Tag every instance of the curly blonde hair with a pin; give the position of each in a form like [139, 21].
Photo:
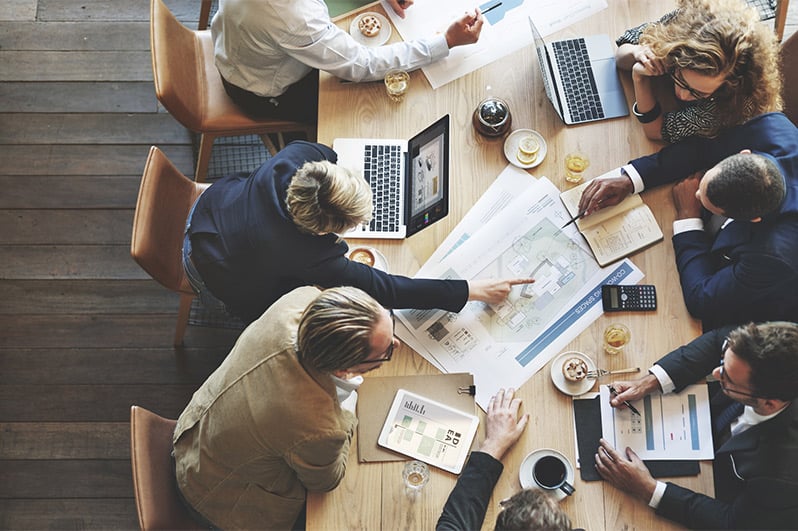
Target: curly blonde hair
[723, 37]
[323, 197]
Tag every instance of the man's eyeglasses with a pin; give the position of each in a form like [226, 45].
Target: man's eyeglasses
[724, 378]
[676, 75]
[388, 354]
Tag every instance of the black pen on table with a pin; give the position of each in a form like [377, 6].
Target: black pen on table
[625, 402]
[573, 219]
[491, 8]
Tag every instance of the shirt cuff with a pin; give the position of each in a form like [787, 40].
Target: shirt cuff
[659, 492]
[438, 47]
[685, 225]
[665, 382]
[637, 181]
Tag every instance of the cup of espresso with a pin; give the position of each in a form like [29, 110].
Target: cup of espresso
[550, 473]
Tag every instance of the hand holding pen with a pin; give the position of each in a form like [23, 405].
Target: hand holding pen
[626, 403]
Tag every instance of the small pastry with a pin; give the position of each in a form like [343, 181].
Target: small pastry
[574, 369]
[369, 25]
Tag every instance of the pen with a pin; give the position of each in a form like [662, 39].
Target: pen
[625, 402]
[491, 8]
[578, 216]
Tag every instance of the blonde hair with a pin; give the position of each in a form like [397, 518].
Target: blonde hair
[336, 328]
[324, 198]
[726, 38]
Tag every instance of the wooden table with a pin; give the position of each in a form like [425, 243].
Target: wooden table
[371, 496]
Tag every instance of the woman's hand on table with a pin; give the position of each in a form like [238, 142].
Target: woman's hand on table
[626, 472]
[493, 291]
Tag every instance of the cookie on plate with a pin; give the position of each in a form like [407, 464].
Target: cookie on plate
[369, 25]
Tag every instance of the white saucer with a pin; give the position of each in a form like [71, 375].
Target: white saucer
[525, 472]
[380, 262]
[566, 386]
[511, 148]
[377, 40]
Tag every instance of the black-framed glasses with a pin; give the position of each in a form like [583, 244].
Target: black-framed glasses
[679, 81]
[724, 378]
[388, 354]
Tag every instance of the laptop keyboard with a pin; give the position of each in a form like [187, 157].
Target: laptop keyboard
[381, 168]
[581, 94]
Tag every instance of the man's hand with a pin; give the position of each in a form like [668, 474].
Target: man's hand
[399, 6]
[684, 198]
[627, 473]
[493, 291]
[603, 193]
[633, 390]
[502, 425]
[465, 30]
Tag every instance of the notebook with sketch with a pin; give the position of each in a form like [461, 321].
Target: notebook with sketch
[580, 77]
[409, 179]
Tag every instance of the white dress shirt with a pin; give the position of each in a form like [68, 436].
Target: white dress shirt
[264, 46]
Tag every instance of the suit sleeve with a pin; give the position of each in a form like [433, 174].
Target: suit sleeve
[468, 502]
[711, 293]
[689, 363]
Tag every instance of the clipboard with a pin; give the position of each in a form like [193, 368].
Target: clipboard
[376, 395]
[587, 418]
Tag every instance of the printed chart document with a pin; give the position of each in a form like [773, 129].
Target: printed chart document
[506, 29]
[672, 426]
[503, 345]
[428, 431]
[617, 231]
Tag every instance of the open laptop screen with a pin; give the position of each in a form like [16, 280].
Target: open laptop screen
[427, 186]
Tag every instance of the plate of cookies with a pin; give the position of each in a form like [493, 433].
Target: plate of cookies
[569, 373]
[525, 148]
[370, 29]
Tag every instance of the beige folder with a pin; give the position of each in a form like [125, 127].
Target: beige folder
[376, 394]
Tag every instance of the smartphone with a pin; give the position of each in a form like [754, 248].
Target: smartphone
[634, 298]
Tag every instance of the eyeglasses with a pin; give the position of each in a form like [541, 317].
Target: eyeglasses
[388, 354]
[679, 81]
[724, 378]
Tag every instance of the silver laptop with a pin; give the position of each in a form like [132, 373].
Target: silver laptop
[580, 77]
[409, 179]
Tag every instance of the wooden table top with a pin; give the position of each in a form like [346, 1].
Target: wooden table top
[371, 496]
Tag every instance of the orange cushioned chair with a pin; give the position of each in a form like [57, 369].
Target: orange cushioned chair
[165, 199]
[188, 84]
[157, 499]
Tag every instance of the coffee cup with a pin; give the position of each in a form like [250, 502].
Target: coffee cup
[550, 473]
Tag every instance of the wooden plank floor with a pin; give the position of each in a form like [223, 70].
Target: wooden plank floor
[84, 333]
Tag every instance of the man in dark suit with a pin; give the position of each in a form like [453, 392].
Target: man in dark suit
[252, 239]
[747, 270]
[756, 468]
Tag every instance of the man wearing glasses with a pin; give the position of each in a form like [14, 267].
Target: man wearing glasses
[270, 423]
[756, 468]
[736, 218]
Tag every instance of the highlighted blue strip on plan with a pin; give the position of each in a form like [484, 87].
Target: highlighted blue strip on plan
[571, 316]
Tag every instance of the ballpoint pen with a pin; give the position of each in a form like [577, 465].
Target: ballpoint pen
[491, 8]
[573, 219]
[625, 402]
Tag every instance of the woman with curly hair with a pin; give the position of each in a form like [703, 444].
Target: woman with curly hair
[721, 61]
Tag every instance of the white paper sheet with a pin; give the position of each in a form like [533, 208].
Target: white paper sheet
[505, 344]
[506, 29]
[672, 426]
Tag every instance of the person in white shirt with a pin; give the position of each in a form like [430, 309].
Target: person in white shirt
[269, 53]
[756, 468]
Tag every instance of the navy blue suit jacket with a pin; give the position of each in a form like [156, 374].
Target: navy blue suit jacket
[749, 272]
[756, 471]
[249, 252]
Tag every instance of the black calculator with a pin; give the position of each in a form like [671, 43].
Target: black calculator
[637, 297]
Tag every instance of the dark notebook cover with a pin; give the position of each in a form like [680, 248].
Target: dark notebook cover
[587, 416]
